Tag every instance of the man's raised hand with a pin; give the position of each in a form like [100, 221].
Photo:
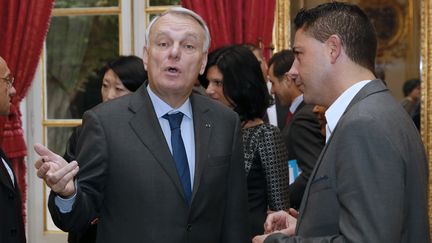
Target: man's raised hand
[57, 173]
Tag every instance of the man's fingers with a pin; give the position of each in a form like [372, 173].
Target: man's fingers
[55, 176]
[275, 221]
[42, 150]
[268, 224]
[65, 185]
[259, 238]
[42, 170]
[38, 163]
[293, 212]
[48, 155]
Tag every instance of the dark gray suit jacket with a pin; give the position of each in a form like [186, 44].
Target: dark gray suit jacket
[304, 142]
[129, 180]
[370, 182]
[11, 221]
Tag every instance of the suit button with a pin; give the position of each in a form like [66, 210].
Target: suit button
[189, 228]
[13, 232]
[11, 196]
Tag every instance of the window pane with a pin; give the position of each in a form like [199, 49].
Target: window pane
[77, 48]
[164, 2]
[58, 138]
[84, 3]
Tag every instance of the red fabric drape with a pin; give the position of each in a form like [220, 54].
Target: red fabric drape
[237, 21]
[23, 27]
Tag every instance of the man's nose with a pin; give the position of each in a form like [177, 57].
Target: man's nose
[12, 91]
[175, 51]
[293, 73]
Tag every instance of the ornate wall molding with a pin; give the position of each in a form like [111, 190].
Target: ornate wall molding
[282, 32]
[426, 87]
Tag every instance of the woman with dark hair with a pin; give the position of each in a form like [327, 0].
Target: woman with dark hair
[121, 76]
[233, 77]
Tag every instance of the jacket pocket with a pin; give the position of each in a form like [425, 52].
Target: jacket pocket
[320, 183]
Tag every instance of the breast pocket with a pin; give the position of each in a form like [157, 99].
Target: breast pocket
[320, 183]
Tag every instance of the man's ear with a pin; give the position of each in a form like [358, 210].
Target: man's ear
[145, 57]
[204, 63]
[290, 77]
[334, 45]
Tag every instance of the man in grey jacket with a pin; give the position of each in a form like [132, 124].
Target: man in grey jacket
[370, 181]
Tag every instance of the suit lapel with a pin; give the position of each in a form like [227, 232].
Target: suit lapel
[147, 128]
[372, 87]
[306, 193]
[299, 107]
[202, 130]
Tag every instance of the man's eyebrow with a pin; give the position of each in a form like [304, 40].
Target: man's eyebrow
[296, 50]
[159, 33]
[193, 35]
[188, 35]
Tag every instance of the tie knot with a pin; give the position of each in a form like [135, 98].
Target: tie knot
[174, 119]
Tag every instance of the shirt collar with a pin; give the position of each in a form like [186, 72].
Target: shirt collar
[295, 103]
[162, 108]
[336, 110]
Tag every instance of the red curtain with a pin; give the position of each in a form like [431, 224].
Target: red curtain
[23, 27]
[237, 21]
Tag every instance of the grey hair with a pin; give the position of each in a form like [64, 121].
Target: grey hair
[186, 12]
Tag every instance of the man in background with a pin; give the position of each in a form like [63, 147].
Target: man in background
[411, 90]
[370, 182]
[11, 218]
[301, 133]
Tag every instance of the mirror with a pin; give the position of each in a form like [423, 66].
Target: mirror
[405, 41]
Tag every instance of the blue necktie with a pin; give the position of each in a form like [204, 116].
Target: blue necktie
[179, 152]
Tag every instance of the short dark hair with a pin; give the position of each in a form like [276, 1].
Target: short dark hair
[282, 62]
[243, 82]
[410, 85]
[129, 69]
[347, 21]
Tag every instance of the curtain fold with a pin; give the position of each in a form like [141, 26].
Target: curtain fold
[237, 21]
[23, 27]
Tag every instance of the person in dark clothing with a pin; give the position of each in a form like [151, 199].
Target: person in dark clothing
[11, 222]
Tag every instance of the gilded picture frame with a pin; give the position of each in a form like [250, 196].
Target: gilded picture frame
[426, 87]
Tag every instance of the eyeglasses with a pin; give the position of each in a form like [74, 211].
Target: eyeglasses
[9, 80]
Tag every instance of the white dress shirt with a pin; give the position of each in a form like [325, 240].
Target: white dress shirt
[9, 170]
[187, 128]
[336, 110]
[295, 103]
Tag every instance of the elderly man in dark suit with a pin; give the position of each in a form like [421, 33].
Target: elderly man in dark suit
[301, 134]
[11, 219]
[161, 165]
[370, 182]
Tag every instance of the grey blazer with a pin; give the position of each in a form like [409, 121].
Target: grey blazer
[370, 182]
[128, 178]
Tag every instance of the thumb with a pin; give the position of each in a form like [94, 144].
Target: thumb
[43, 151]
